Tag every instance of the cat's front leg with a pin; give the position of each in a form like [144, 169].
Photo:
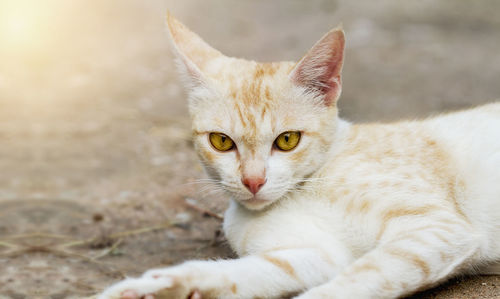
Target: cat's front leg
[271, 274]
[415, 258]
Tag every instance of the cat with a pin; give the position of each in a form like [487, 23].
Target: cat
[320, 207]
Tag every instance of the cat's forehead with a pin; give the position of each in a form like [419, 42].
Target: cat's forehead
[248, 82]
[254, 91]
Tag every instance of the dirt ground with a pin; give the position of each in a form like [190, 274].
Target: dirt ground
[99, 177]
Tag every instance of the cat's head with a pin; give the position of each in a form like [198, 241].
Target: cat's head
[260, 129]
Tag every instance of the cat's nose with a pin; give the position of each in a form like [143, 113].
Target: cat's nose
[254, 184]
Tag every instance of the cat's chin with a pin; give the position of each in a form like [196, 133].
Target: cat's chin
[255, 203]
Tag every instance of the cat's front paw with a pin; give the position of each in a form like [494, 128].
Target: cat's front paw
[155, 284]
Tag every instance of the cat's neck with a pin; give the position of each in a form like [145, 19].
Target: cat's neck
[340, 137]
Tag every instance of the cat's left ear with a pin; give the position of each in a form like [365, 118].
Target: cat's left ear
[319, 71]
[193, 52]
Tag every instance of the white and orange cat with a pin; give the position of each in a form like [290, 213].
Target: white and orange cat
[321, 208]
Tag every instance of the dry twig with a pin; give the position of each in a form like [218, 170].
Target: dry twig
[192, 204]
[109, 250]
[119, 235]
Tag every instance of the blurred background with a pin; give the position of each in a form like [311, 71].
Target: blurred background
[98, 174]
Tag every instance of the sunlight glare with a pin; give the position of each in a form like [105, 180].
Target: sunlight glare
[21, 25]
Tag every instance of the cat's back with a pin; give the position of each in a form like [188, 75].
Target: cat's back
[472, 140]
[465, 129]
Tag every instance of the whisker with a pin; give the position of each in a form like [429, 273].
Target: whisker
[214, 192]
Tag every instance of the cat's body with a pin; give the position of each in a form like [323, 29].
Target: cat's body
[380, 172]
[350, 211]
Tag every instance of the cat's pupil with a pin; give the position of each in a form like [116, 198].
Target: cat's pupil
[287, 137]
[223, 139]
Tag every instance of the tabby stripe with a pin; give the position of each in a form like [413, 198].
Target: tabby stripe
[412, 258]
[402, 212]
[282, 264]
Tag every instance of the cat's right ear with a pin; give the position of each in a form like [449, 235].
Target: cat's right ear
[319, 71]
[193, 53]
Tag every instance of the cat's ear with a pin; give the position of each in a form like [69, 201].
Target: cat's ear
[193, 53]
[319, 71]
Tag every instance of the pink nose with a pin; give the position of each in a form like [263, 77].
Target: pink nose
[254, 183]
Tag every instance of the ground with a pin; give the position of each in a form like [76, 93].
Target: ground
[99, 176]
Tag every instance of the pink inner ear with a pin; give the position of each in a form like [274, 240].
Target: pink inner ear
[320, 70]
[333, 93]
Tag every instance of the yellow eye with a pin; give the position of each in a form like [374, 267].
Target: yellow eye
[221, 142]
[287, 141]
